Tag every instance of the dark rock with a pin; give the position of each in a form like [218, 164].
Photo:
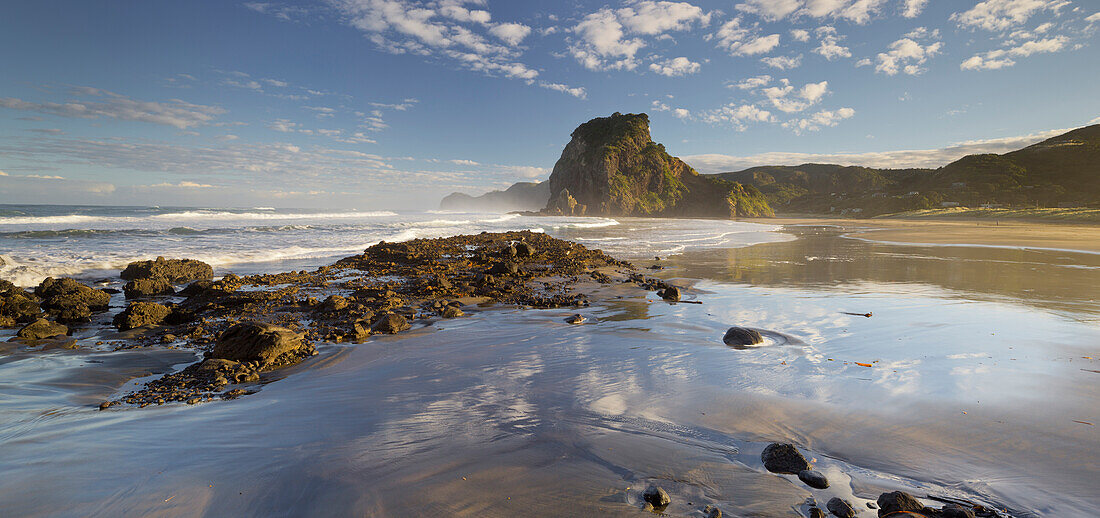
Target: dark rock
[816, 512]
[712, 511]
[237, 372]
[452, 312]
[783, 458]
[333, 303]
[254, 341]
[391, 323]
[742, 336]
[576, 319]
[196, 288]
[175, 271]
[41, 329]
[840, 508]
[897, 501]
[141, 314]
[148, 287]
[956, 511]
[670, 293]
[16, 306]
[524, 249]
[656, 496]
[504, 268]
[69, 300]
[813, 479]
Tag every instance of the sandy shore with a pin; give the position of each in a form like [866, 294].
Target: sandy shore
[1008, 234]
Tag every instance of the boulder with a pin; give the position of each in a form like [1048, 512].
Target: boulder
[255, 342]
[840, 508]
[70, 301]
[390, 323]
[813, 479]
[333, 303]
[41, 329]
[956, 511]
[452, 312]
[17, 307]
[656, 496]
[148, 287]
[783, 458]
[504, 268]
[736, 336]
[897, 501]
[524, 249]
[175, 271]
[196, 288]
[141, 314]
[670, 293]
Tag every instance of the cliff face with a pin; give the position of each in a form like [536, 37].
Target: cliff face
[611, 167]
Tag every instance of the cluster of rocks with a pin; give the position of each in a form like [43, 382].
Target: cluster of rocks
[784, 458]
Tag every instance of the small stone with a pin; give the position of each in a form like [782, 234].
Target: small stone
[105, 405]
[670, 293]
[524, 249]
[575, 319]
[840, 508]
[813, 479]
[168, 338]
[656, 496]
[712, 512]
[737, 336]
[783, 458]
[816, 512]
[504, 268]
[452, 312]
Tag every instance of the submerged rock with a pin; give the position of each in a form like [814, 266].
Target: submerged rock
[656, 496]
[141, 314]
[148, 287]
[840, 508]
[742, 336]
[575, 319]
[254, 341]
[391, 323]
[41, 329]
[813, 479]
[175, 271]
[670, 293]
[898, 501]
[783, 458]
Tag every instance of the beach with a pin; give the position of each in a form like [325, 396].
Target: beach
[974, 377]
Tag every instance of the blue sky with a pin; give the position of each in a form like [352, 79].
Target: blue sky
[394, 103]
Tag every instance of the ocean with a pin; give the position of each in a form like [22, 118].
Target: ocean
[976, 378]
[92, 242]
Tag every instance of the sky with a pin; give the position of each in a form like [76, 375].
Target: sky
[392, 104]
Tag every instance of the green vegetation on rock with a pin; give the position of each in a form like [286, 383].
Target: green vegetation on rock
[612, 167]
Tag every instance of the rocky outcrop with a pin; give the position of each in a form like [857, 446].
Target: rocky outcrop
[141, 314]
[41, 329]
[148, 287]
[611, 167]
[174, 271]
[520, 196]
[16, 306]
[70, 301]
[265, 344]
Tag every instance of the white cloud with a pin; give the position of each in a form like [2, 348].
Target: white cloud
[913, 8]
[783, 62]
[800, 35]
[900, 159]
[856, 11]
[999, 15]
[810, 94]
[609, 39]
[752, 82]
[1002, 58]
[830, 47]
[577, 92]
[174, 112]
[819, 119]
[511, 33]
[1093, 18]
[675, 67]
[865, 62]
[744, 41]
[906, 55]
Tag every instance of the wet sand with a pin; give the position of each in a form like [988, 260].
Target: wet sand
[984, 232]
[981, 374]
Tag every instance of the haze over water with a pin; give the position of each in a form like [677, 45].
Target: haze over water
[980, 385]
